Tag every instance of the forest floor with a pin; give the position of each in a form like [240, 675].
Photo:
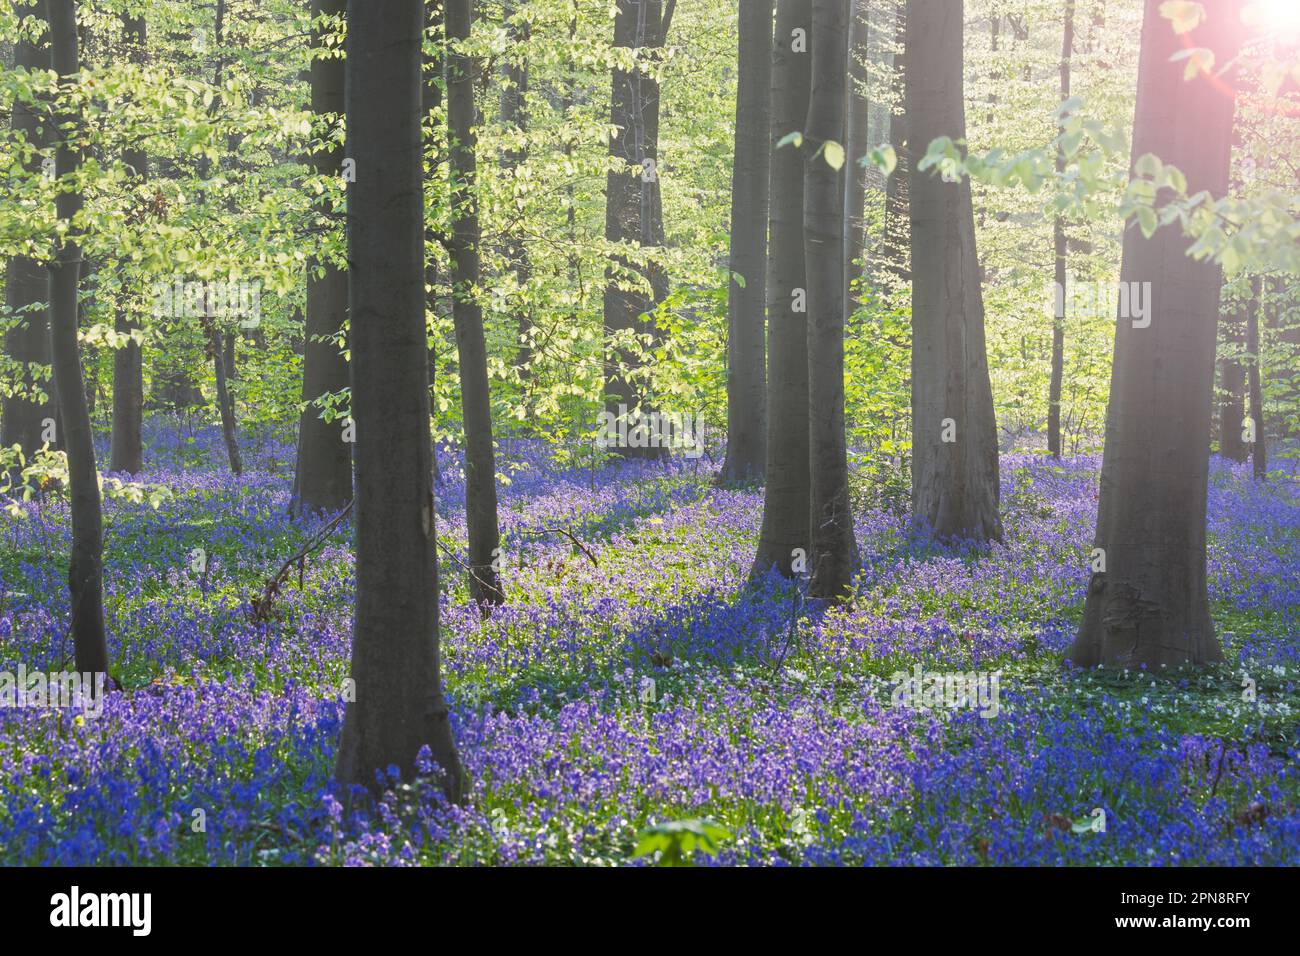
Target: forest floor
[652, 685]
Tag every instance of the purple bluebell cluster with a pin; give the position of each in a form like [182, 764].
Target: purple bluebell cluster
[655, 683]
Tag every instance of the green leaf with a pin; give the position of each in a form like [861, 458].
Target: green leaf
[677, 840]
[882, 157]
[796, 138]
[1148, 165]
[1147, 222]
[834, 154]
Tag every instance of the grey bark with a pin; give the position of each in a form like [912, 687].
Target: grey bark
[86, 564]
[480, 456]
[955, 488]
[399, 706]
[1150, 605]
[834, 553]
[126, 444]
[787, 496]
[747, 291]
[1059, 245]
[323, 476]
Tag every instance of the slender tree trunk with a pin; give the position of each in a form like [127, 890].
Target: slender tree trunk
[1149, 604]
[955, 482]
[86, 566]
[399, 706]
[787, 496]
[225, 399]
[220, 349]
[434, 69]
[634, 212]
[26, 287]
[323, 479]
[857, 144]
[747, 292]
[1233, 387]
[480, 457]
[126, 444]
[834, 550]
[1059, 246]
[897, 246]
[1259, 450]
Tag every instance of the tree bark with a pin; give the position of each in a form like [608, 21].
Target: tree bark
[955, 482]
[834, 550]
[857, 144]
[220, 349]
[787, 495]
[897, 245]
[634, 211]
[399, 705]
[1059, 245]
[86, 566]
[26, 286]
[126, 445]
[1232, 400]
[1149, 606]
[480, 457]
[323, 478]
[1259, 450]
[747, 290]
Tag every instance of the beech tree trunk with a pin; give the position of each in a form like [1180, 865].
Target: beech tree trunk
[634, 212]
[126, 445]
[857, 145]
[1232, 401]
[955, 488]
[897, 245]
[480, 457]
[86, 565]
[220, 348]
[399, 705]
[834, 551]
[1259, 450]
[747, 292]
[323, 477]
[787, 495]
[27, 342]
[1059, 248]
[1149, 606]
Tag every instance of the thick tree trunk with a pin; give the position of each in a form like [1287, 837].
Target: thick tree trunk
[1149, 606]
[955, 486]
[834, 550]
[26, 287]
[323, 479]
[399, 706]
[857, 144]
[634, 212]
[1059, 246]
[1259, 450]
[86, 566]
[747, 293]
[126, 444]
[897, 245]
[476, 407]
[1232, 400]
[787, 496]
